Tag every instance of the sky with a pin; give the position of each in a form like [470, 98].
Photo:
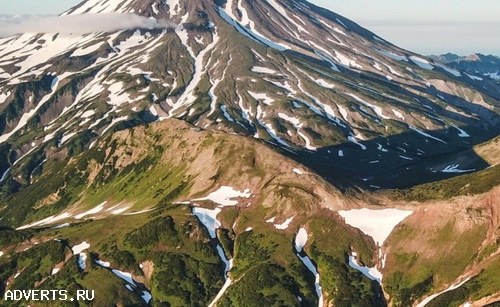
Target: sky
[428, 26]
[425, 26]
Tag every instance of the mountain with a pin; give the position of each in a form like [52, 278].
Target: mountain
[446, 58]
[477, 63]
[243, 153]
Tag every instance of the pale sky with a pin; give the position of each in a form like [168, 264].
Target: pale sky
[425, 26]
[428, 26]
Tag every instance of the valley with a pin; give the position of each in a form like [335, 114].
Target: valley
[244, 153]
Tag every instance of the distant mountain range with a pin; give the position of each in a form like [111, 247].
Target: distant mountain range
[252, 153]
[476, 63]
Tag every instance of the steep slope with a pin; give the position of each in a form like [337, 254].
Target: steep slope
[187, 180]
[134, 167]
[301, 77]
[446, 248]
[232, 146]
[449, 245]
[153, 186]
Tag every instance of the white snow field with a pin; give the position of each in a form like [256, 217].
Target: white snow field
[377, 224]
[223, 196]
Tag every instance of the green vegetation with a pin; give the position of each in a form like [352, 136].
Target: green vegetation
[403, 294]
[185, 269]
[268, 284]
[351, 288]
[469, 184]
[482, 285]
[418, 273]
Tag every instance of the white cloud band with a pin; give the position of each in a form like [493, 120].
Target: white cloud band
[78, 24]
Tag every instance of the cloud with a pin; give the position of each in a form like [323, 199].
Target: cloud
[78, 24]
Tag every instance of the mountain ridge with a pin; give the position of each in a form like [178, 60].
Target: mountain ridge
[476, 63]
[219, 142]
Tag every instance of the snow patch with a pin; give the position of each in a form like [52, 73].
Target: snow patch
[307, 141]
[376, 109]
[377, 224]
[82, 258]
[462, 132]
[271, 220]
[300, 239]
[86, 50]
[125, 276]
[49, 220]
[476, 78]
[293, 120]
[495, 76]
[451, 288]
[398, 114]
[223, 196]
[80, 247]
[426, 134]
[381, 148]
[352, 139]
[226, 114]
[247, 27]
[91, 211]
[103, 263]
[4, 176]
[61, 226]
[263, 70]
[392, 55]
[298, 171]
[208, 217]
[153, 111]
[262, 97]
[454, 169]
[300, 242]
[146, 296]
[3, 97]
[120, 210]
[284, 225]
[66, 137]
[405, 157]
[423, 63]
[454, 72]
[371, 273]
[324, 83]
[88, 114]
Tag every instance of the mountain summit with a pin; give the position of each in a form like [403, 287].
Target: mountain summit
[243, 153]
[289, 72]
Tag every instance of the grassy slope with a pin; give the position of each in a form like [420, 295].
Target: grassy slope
[457, 227]
[153, 166]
